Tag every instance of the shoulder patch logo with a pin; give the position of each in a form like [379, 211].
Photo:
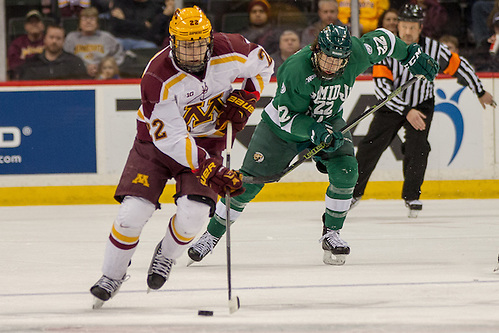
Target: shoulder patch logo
[369, 49]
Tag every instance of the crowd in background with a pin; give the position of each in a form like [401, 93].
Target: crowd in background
[110, 39]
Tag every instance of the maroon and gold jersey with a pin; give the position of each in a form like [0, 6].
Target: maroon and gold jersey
[178, 107]
[21, 49]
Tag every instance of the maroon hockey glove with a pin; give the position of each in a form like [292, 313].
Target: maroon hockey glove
[239, 106]
[213, 174]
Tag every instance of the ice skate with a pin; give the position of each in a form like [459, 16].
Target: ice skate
[159, 270]
[105, 289]
[205, 244]
[335, 248]
[355, 202]
[415, 206]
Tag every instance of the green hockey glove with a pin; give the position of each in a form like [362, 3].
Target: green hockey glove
[419, 62]
[320, 133]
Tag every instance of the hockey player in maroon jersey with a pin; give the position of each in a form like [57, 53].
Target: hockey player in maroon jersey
[187, 100]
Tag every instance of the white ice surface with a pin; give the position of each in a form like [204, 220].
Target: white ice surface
[430, 274]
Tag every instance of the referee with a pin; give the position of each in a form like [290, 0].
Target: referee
[412, 109]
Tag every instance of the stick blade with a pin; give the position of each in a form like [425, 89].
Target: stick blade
[234, 304]
[261, 179]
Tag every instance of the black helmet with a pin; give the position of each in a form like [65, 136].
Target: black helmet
[411, 13]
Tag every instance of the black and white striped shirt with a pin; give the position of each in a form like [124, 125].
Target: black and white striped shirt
[390, 74]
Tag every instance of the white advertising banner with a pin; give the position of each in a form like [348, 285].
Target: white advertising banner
[462, 138]
[461, 135]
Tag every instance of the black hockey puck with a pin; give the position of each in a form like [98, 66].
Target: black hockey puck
[205, 313]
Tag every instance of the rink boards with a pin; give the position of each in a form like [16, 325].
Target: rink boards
[67, 144]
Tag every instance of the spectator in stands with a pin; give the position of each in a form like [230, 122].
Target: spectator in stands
[451, 42]
[480, 13]
[72, 8]
[131, 23]
[495, 25]
[260, 29]
[389, 20]
[28, 45]
[486, 56]
[103, 6]
[53, 63]
[493, 20]
[435, 18]
[289, 43]
[159, 29]
[108, 69]
[369, 13]
[328, 13]
[91, 44]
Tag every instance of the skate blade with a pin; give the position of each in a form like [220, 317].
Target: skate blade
[190, 262]
[413, 213]
[496, 269]
[98, 303]
[150, 290]
[234, 304]
[330, 259]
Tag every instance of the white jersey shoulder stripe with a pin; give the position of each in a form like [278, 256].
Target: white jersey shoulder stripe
[227, 58]
[170, 83]
[392, 40]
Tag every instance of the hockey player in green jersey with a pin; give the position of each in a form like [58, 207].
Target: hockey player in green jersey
[312, 86]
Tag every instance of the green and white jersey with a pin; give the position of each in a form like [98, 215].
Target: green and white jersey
[302, 98]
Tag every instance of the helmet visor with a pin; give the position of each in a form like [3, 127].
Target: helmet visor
[330, 66]
[192, 54]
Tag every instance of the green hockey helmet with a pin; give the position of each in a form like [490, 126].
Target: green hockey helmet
[332, 50]
[335, 41]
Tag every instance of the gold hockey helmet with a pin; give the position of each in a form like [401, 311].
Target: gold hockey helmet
[191, 39]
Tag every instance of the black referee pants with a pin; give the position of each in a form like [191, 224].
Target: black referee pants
[415, 148]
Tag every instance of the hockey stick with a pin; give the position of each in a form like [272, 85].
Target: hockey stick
[319, 147]
[233, 302]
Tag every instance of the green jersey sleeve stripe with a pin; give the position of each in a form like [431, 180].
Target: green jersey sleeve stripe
[392, 40]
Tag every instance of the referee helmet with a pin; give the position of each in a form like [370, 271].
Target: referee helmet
[411, 13]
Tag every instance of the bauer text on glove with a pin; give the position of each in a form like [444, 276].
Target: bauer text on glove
[239, 106]
[213, 174]
[419, 62]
